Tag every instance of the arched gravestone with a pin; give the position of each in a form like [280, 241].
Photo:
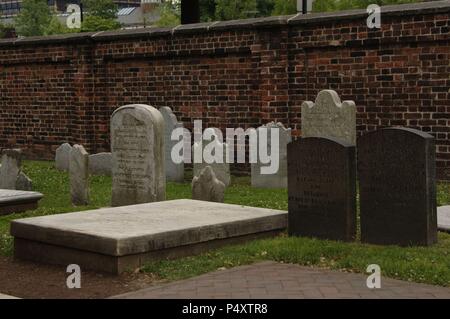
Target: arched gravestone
[396, 168]
[137, 144]
[322, 189]
[174, 172]
[329, 117]
[279, 179]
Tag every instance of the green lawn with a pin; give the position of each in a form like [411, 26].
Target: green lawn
[429, 265]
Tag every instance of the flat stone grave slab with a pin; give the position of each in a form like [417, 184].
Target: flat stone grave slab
[443, 218]
[13, 201]
[118, 239]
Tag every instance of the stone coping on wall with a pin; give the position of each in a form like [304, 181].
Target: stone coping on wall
[268, 22]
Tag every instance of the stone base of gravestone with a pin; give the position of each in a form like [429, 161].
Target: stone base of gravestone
[322, 189]
[79, 175]
[62, 157]
[396, 169]
[14, 201]
[137, 145]
[207, 187]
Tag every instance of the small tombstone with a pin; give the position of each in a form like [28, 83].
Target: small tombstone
[137, 144]
[322, 189]
[174, 171]
[79, 175]
[62, 157]
[329, 117]
[396, 169]
[220, 167]
[10, 169]
[279, 179]
[24, 183]
[100, 164]
[207, 187]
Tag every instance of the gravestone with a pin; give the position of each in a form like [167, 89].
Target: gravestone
[137, 144]
[14, 201]
[329, 117]
[79, 175]
[443, 218]
[62, 157]
[279, 179]
[222, 169]
[322, 189]
[174, 172]
[396, 168]
[10, 169]
[24, 183]
[207, 187]
[100, 164]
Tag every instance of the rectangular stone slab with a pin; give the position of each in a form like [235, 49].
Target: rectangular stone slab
[13, 201]
[112, 239]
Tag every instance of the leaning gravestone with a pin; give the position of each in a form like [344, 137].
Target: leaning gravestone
[322, 189]
[79, 175]
[207, 187]
[137, 144]
[329, 117]
[279, 179]
[396, 168]
[10, 169]
[220, 167]
[174, 172]
[100, 164]
[24, 183]
[62, 157]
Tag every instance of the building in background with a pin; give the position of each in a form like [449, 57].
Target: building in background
[10, 8]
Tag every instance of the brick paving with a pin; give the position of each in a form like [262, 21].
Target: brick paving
[271, 280]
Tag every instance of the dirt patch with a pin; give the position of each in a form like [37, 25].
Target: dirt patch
[37, 281]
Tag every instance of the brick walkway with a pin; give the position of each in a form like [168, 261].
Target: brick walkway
[274, 280]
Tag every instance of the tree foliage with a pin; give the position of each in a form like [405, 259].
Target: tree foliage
[34, 18]
[236, 9]
[170, 14]
[101, 15]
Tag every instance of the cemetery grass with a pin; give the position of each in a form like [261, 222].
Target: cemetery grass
[427, 265]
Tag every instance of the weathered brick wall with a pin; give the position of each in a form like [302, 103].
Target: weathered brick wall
[231, 74]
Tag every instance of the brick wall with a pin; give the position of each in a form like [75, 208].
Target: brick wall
[229, 74]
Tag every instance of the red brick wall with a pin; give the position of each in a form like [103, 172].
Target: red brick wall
[231, 74]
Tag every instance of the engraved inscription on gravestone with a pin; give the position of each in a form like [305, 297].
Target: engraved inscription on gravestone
[137, 143]
[396, 168]
[322, 189]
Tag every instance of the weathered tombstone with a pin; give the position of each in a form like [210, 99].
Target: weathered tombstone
[174, 171]
[222, 169]
[279, 179]
[24, 183]
[396, 169]
[329, 117]
[137, 144]
[10, 169]
[207, 187]
[100, 164]
[322, 189]
[62, 157]
[79, 175]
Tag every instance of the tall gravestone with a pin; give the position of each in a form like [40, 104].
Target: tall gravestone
[174, 171]
[79, 175]
[329, 117]
[322, 189]
[221, 168]
[62, 156]
[137, 144]
[279, 179]
[10, 168]
[396, 168]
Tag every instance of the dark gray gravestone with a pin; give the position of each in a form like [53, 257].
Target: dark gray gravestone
[396, 168]
[322, 189]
